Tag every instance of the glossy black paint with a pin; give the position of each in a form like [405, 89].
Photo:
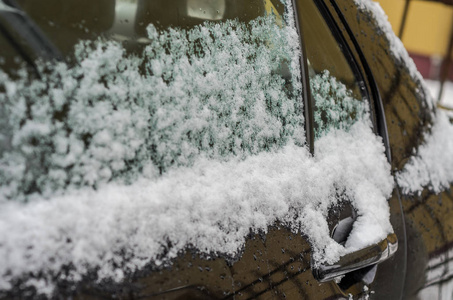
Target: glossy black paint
[277, 265]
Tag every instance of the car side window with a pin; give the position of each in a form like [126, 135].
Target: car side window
[221, 81]
[338, 92]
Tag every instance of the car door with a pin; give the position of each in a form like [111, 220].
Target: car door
[278, 263]
[277, 257]
[409, 115]
[322, 53]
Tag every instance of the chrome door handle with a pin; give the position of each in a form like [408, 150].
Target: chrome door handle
[366, 257]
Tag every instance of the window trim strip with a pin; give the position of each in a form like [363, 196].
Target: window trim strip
[306, 93]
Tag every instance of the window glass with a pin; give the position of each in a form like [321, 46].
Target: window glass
[66, 22]
[216, 79]
[338, 92]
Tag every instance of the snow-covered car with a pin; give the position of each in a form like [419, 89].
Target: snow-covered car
[218, 149]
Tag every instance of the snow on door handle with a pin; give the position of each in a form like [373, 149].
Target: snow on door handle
[366, 257]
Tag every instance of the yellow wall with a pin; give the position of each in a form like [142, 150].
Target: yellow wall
[428, 25]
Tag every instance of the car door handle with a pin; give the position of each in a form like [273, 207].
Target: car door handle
[366, 257]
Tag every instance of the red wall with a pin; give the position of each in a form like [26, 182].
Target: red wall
[429, 67]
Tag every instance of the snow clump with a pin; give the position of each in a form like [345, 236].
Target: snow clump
[211, 205]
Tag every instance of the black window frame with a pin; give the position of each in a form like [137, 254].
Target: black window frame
[357, 65]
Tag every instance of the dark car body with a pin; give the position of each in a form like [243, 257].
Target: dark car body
[277, 264]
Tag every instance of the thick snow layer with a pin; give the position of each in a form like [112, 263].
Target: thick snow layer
[211, 205]
[432, 166]
[106, 168]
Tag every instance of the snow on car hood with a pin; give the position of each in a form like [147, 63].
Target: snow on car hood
[104, 166]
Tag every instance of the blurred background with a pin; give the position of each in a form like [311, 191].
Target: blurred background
[426, 30]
